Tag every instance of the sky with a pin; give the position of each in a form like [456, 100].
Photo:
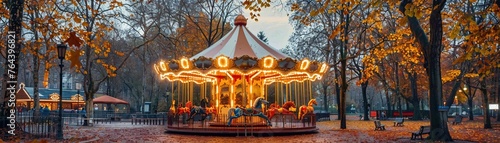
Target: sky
[274, 23]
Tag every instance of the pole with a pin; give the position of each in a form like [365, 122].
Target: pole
[59, 126]
[78, 99]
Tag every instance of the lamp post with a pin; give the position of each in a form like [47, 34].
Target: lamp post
[61, 52]
[78, 86]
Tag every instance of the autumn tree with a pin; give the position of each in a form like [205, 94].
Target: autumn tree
[43, 20]
[90, 20]
[476, 30]
[144, 21]
[209, 18]
[312, 41]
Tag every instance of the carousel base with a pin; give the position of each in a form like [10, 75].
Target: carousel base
[220, 124]
[204, 129]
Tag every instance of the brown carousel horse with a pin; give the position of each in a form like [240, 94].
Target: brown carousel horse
[287, 109]
[303, 110]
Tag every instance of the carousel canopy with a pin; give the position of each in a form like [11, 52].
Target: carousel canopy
[105, 99]
[239, 42]
[240, 53]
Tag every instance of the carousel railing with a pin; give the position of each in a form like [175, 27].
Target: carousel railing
[220, 121]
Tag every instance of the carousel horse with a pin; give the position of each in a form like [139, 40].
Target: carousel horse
[185, 110]
[255, 110]
[211, 110]
[197, 110]
[200, 110]
[289, 106]
[284, 110]
[303, 110]
[172, 110]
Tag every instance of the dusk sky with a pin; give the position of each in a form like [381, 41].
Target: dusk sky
[274, 23]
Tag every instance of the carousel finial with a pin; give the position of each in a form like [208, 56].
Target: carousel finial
[240, 20]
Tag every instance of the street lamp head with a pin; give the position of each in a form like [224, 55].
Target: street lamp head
[78, 86]
[61, 50]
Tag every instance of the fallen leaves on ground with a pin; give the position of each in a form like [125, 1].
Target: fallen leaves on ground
[468, 131]
[329, 131]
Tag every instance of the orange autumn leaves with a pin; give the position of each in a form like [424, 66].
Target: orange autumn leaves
[74, 53]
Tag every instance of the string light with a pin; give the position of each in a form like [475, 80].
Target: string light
[163, 66]
[323, 68]
[268, 62]
[304, 64]
[156, 69]
[222, 61]
[269, 74]
[184, 63]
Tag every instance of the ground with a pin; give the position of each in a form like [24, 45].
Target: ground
[329, 131]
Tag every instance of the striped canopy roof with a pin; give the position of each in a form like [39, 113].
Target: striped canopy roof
[238, 42]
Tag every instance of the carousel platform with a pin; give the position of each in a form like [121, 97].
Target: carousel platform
[219, 124]
[278, 129]
[281, 125]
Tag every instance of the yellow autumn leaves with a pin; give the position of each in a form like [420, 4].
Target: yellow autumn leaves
[413, 11]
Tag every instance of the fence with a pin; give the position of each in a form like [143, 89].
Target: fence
[31, 127]
[149, 119]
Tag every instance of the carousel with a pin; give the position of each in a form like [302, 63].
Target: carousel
[240, 85]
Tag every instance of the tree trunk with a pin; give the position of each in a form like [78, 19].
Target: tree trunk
[337, 93]
[398, 90]
[343, 62]
[400, 110]
[498, 84]
[36, 97]
[325, 101]
[364, 86]
[36, 64]
[389, 104]
[471, 113]
[343, 90]
[487, 116]
[432, 49]
[415, 101]
[337, 86]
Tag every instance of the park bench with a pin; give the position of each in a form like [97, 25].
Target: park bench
[399, 122]
[379, 126]
[495, 125]
[458, 120]
[423, 130]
